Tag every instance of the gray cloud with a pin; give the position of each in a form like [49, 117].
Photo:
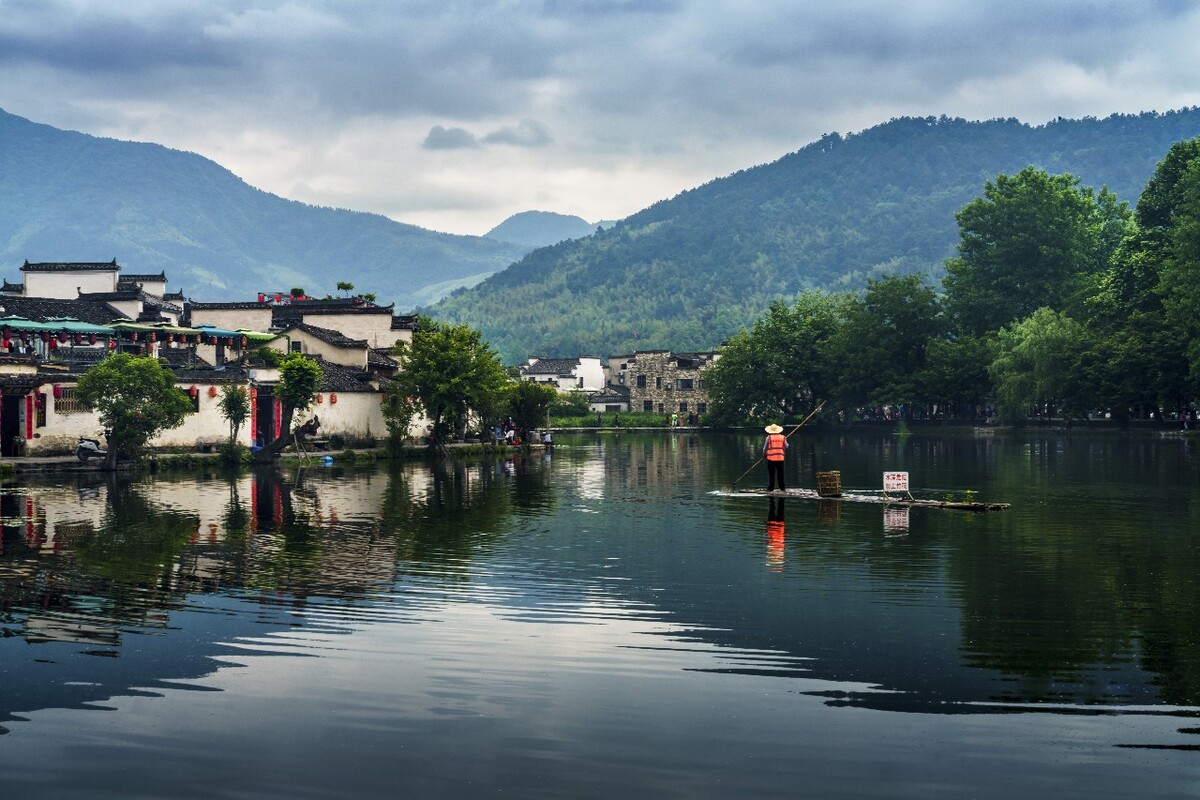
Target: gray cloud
[658, 94]
[440, 138]
[526, 133]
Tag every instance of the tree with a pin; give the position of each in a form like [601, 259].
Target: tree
[780, 367]
[398, 412]
[235, 408]
[452, 372]
[881, 347]
[1032, 240]
[137, 398]
[345, 286]
[1033, 360]
[529, 402]
[300, 379]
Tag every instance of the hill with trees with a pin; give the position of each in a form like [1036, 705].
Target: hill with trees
[67, 196]
[541, 228]
[688, 272]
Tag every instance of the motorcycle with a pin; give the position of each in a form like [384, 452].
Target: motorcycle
[88, 449]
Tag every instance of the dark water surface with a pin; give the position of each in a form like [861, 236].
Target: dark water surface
[596, 623]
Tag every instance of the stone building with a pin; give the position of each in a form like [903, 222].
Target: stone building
[663, 382]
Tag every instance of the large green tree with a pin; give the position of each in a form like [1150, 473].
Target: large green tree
[137, 398]
[1032, 362]
[1032, 240]
[452, 372]
[529, 403]
[781, 366]
[880, 350]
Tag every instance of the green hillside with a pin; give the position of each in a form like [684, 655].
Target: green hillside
[66, 196]
[688, 272]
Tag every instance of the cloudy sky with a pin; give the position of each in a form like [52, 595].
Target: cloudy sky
[454, 114]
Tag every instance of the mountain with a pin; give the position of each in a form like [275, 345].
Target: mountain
[67, 196]
[686, 273]
[541, 228]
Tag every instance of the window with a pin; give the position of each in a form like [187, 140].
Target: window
[701, 408]
[660, 407]
[296, 347]
[683, 408]
[658, 382]
[647, 405]
[685, 384]
[641, 381]
[66, 403]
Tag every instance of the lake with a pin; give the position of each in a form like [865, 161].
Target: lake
[596, 622]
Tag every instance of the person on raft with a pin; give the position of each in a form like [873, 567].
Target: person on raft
[774, 448]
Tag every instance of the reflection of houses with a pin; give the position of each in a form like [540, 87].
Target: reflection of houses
[584, 373]
[663, 382]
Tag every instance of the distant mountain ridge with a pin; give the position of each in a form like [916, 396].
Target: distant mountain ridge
[68, 196]
[690, 271]
[541, 228]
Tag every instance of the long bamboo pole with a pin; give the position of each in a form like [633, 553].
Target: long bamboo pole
[798, 427]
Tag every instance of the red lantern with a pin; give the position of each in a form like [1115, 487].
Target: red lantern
[57, 391]
[333, 399]
[244, 341]
[133, 337]
[112, 344]
[62, 337]
[212, 391]
[153, 337]
[91, 338]
[320, 398]
[53, 344]
[170, 338]
[7, 333]
[193, 391]
[45, 336]
[212, 340]
[77, 338]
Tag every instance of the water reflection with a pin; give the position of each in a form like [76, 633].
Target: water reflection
[611, 558]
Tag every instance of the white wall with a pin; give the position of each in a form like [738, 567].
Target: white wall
[66, 285]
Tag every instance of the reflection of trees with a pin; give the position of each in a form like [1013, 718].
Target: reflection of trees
[463, 508]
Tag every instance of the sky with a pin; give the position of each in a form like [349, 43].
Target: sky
[455, 114]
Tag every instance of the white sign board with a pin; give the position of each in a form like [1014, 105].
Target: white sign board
[895, 481]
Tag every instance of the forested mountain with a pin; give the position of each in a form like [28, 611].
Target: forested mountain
[67, 196]
[541, 228]
[688, 272]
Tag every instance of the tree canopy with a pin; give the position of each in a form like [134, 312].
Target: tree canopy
[137, 398]
[451, 372]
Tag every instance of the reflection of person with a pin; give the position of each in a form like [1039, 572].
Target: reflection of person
[547, 440]
[774, 448]
[775, 534]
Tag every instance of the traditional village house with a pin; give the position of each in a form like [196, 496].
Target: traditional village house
[609, 399]
[581, 374]
[663, 382]
[64, 318]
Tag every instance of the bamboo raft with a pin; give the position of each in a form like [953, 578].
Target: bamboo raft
[857, 497]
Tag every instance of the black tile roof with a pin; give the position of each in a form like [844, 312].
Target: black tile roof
[327, 335]
[551, 366]
[209, 374]
[282, 315]
[404, 322]
[611, 392]
[340, 378]
[179, 357]
[147, 278]
[381, 357]
[18, 288]
[96, 312]
[70, 266]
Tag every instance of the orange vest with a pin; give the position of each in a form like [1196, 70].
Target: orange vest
[776, 446]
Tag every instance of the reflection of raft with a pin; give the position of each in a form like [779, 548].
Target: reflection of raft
[875, 499]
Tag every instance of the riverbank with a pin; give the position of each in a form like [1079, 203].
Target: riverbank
[167, 461]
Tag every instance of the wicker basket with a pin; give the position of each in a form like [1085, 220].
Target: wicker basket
[829, 484]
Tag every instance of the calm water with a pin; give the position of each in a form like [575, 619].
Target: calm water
[597, 623]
